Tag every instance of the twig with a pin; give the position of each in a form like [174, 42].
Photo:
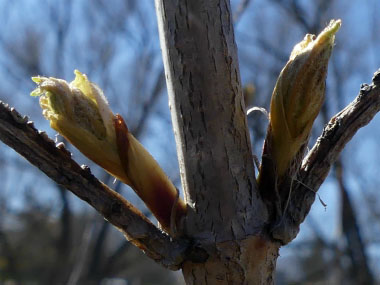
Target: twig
[56, 162]
[316, 165]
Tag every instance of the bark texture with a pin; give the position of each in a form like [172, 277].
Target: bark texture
[248, 261]
[209, 119]
[226, 215]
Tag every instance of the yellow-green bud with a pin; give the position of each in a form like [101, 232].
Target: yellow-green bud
[298, 96]
[80, 112]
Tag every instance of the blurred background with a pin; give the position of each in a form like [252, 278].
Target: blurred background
[48, 236]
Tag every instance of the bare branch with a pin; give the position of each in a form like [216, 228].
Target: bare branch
[316, 165]
[56, 162]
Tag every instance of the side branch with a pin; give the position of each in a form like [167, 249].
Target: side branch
[316, 165]
[56, 162]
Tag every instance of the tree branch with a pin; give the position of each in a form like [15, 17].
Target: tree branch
[56, 162]
[209, 120]
[316, 165]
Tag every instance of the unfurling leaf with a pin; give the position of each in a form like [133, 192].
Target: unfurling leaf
[296, 101]
[80, 112]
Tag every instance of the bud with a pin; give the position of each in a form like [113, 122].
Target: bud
[80, 112]
[297, 99]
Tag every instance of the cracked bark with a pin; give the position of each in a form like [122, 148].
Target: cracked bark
[226, 216]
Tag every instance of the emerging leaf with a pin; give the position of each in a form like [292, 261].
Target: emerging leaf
[298, 96]
[80, 112]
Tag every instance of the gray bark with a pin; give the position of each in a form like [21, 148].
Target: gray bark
[209, 119]
[225, 213]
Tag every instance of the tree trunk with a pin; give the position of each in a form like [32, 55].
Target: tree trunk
[226, 215]
[248, 261]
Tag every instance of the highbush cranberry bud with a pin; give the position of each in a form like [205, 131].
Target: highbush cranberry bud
[298, 97]
[80, 112]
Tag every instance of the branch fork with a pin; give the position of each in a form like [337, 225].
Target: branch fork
[80, 112]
